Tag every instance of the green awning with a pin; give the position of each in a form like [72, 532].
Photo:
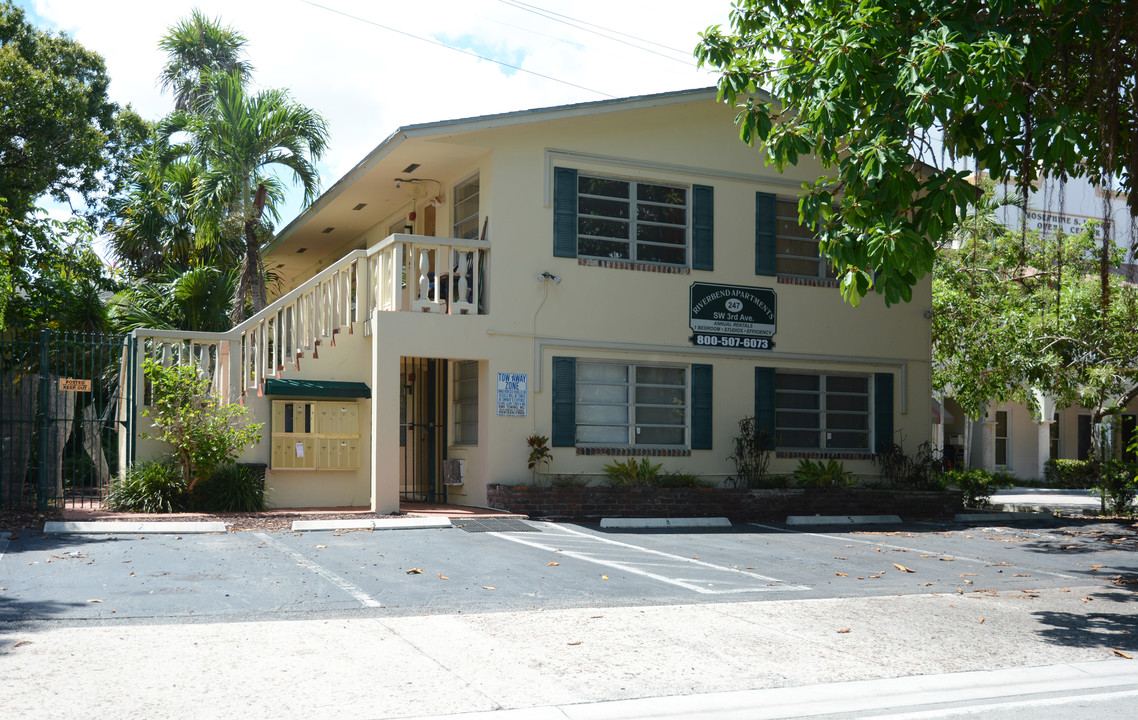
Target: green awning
[317, 388]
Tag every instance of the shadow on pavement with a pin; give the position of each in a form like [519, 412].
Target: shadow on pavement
[1091, 630]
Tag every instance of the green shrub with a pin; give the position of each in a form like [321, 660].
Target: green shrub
[229, 489]
[680, 479]
[752, 456]
[1117, 485]
[152, 486]
[823, 474]
[629, 473]
[1073, 474]
[921, 471]
[977, 485]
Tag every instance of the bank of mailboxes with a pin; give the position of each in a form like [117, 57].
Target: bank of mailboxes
[316, 435]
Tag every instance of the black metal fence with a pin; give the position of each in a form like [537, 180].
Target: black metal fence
[66, 416]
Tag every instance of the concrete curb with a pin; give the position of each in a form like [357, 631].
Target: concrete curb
[702, 522]
[119, 526]
[411, 523]
[847, 698]
[1002, 517]
[843, 520]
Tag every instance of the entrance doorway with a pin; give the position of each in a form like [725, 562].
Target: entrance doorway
[422, 429]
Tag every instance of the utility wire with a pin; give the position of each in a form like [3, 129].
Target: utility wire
[579, 24]
[454, 49]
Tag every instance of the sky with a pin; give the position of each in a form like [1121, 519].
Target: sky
[372, 67]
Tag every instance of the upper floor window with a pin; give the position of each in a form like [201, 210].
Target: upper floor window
[796, 248]
[783, 246]
[632, 220]
[466, 209]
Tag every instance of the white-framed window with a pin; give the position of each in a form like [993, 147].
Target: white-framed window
[796, 247]
[1002, 438]
[465, 403]
[629, 404]
[822, 412]
[466, 208]
[1053, 433]
[632, 220]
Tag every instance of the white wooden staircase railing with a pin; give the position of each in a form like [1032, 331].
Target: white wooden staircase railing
[401, 273]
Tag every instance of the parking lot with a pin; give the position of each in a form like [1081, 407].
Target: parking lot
[515, 565]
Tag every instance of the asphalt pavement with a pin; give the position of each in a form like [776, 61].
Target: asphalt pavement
[563, 620]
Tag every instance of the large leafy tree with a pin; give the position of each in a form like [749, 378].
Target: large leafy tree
[242, 141]
[50, 275]
[196, 299]
[892, 95]
[1016, 312]
[59, 132]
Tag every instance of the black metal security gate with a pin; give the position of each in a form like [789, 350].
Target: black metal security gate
[422, 429]
[59, 416]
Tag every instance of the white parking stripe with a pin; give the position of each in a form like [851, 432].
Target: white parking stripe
[979, 561]
[699, 585]
[983, 710]
[364, 599]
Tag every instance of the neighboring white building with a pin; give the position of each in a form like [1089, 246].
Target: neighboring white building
[1011, 438]
[624, 277]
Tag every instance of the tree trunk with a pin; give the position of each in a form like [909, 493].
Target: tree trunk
[252, 280]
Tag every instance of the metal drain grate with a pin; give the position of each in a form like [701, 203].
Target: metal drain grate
[492, 524]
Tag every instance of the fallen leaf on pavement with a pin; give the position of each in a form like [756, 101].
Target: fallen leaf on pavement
[841, 574]
[94, 601]
[839, 557]
[967, 574]
[443, 577]
[946, 559]
[1021, 575]
[844, 631]
[604, 577]
[902, 568]
[415, 571]
[488, 587]
[29, 642]
[575, 642]
[1087, 599]
[981, 620]
[1119, 653]
[553, 564]
[321, 547]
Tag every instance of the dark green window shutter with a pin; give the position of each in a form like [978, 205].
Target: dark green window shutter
[703, 228]
[882, 410]
[564, 212]
[701, 438]
[564, 402]
[764, 405]
[765, 222]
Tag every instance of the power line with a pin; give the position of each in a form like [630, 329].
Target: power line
[579, 24]
[454, 49]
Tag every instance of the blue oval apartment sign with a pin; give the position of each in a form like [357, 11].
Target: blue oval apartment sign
[732, 316]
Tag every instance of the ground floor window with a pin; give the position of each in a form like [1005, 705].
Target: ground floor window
[1001, 438]
[822, 412]
[628, 404]
[1054, 436]
[465, 408]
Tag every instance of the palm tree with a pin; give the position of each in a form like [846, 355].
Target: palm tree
[197, 48]
[240, 140]
[196, 299]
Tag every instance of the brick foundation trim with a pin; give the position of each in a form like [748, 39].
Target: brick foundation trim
[738, 505]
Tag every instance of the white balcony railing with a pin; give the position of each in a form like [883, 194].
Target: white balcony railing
[401, 273]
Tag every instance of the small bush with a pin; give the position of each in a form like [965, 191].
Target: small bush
[1072, 474]
[752, 456]
[978, 485]
[921, 471]
[820, 474]
[1117, 485]
[230, 489]
[152, 486]
[569, 480]
[680, 479]
[629, 473]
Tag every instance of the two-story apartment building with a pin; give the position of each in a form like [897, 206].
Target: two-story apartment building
[623, 276]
